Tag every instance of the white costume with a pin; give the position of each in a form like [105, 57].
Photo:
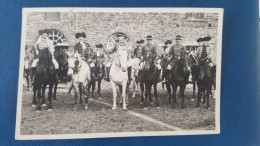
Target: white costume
[45, 43]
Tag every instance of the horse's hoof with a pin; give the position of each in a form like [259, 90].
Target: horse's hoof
[44, 105]
[192, 99]
[157, 107]
[145, 108]
[86, 108]
[113, 108]
[34, 105]
[49, 110]
[75, 109]
[99, 98]
[208, 108]
[90, 99]
[124, 109]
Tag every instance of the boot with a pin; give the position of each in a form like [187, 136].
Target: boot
[165, 75]
[57, 77]
[129, 71]
[106, 78]
[139, 75]
[160, 76]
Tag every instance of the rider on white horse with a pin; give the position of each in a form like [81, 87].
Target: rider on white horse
[149, 48]
[120, 45]
[84, 50]
[44, 42]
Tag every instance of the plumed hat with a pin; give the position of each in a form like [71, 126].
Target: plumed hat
[167, 42]
[178, 37]
[99, 46]
[80, 35]
[149, 37]
[140, 41]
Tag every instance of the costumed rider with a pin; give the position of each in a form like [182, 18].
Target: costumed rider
[84, 50]
[203, 52]
[99, 55]
[175, 53]
[166, 57]
[150, 49]
[120, 44]
[43, 43]
[138, 54]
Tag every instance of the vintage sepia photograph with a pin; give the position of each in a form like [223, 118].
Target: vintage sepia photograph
[119, 72]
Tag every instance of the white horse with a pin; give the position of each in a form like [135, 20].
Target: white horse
[118, 76]
[135, 69]
[80, 79]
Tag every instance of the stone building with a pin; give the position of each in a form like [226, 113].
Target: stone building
[99, 26]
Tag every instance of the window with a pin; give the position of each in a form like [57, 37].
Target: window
[195, 15]
[52, 16]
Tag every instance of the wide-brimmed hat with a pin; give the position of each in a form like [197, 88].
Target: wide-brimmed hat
[167, 42]
[43, 31]
[99, 46]
[80, 35]
[140, 41]
[205, 39]
[149, 37]
[178, 37]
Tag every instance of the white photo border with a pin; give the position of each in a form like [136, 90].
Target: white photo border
[219, 11]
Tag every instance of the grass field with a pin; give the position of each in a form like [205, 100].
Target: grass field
[100, 118]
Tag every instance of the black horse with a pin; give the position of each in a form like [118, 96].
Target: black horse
[45, 75]
[62, 59]
[179, 75]
[204, 82]
[97, 76]
[149, 78]
[194, 74]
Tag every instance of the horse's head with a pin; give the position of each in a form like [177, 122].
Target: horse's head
[149, 61]
[122, 59]
[183, 63]
[203, 69]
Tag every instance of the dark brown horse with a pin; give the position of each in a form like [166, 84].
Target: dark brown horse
[149, 78]
[204, 82]
[194, 74]
[45, 75]
[178, 77]
[96, 77]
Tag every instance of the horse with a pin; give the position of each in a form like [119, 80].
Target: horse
[135, 69]
[204, 82]
[62, 58]
[149, 78]
[118, 76]
[30, 54]
[179, 74]
[96, 76]
[194, 74]
[79, 71]
[45, 75]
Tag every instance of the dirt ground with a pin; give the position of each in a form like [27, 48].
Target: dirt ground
[100, 118]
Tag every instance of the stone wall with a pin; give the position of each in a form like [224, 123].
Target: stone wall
[99, 26]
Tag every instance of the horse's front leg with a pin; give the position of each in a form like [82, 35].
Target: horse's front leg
[55, 90]
[134, 87]
[124, 91]
[150, 94]
[43, 95]
[168, 86]
[146, 95]
[182, 90]
[207, 94]
[93, 88]
[76, 95]
[194, 89]
[50, 106]
[114, 94]
[99, 88]
[142, 90]
[84, 98]
[38, 90]
[199, 96]
[174, 90]
[155, 95]
[34, 101]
